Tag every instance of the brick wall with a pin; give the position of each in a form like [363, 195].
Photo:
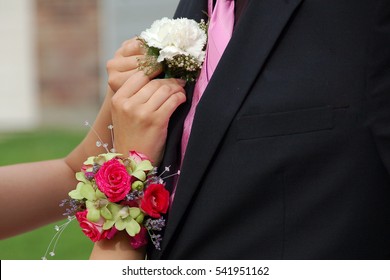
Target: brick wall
[68, 54]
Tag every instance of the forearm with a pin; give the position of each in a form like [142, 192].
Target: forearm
[30, 194]
[98, 132]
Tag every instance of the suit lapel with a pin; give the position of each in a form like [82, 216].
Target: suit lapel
[259, 28]
[192, 9]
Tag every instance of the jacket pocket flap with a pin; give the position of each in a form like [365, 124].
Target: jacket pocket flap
[285, 123]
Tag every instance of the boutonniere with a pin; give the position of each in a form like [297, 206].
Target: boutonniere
[176, 45]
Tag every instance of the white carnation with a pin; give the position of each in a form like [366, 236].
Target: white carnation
[176, 37]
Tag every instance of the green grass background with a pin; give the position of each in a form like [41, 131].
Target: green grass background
[36, 146]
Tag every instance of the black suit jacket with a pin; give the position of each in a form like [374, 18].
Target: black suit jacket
[289, 153]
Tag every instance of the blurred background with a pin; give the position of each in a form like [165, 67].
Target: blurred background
[52, 78]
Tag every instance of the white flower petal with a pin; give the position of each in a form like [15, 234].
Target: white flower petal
[176, 36]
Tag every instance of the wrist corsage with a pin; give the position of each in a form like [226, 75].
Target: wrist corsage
[117, 193]
[176, 45]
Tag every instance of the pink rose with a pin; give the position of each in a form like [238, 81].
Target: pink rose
[132, 203]
[140, 239]
[92, 230]
[111, 233]
[138, 157]
[155, 201]
[113, 180]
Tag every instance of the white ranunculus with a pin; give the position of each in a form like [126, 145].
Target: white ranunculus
[176, 36]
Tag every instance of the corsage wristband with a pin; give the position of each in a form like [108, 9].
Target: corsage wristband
[117, 193]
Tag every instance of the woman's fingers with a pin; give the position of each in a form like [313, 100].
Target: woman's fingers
[115, 81]
[141, 109]
[124, 63]
[131, 86]
[166, 88]
[170, 105]
[139, 90]
[131, 47]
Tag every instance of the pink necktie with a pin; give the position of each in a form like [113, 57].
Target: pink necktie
[219, 33]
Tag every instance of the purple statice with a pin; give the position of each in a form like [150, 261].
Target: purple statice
[73, 206]
[153, 178]
[95, 168]
[156, 239]
[157, 225]
[134, 195]
[89, 175]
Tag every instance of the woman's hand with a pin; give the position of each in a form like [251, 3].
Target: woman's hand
[125, 63]
[141, 109]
